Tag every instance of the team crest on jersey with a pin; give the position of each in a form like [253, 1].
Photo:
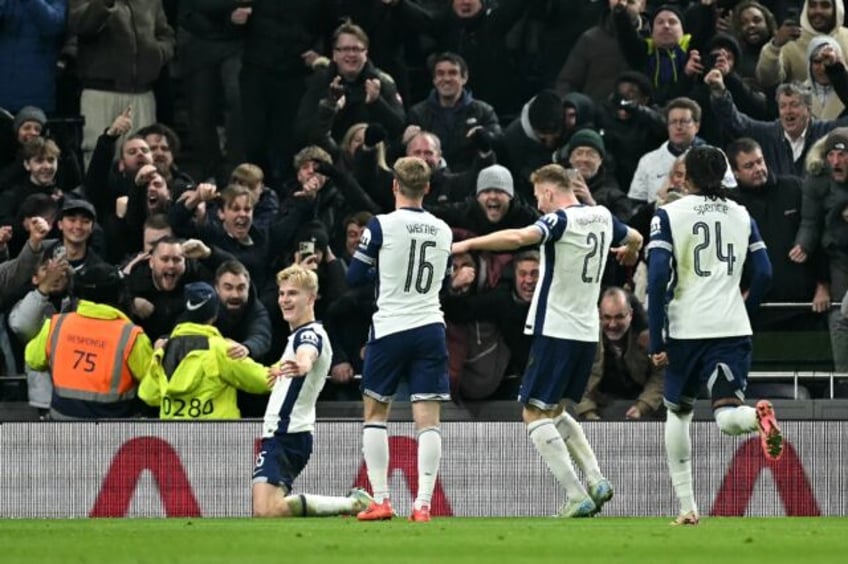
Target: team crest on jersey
[310, 337]
[365, 238]
[655, 226]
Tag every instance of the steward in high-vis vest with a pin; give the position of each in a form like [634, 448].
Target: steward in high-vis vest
[95, 355]
[193, 377]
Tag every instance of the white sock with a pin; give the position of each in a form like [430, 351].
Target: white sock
[736, 420]
[309, 505]
[551, 447]
[578, 446]
[375, 450]
[678, 449]
[429, 456]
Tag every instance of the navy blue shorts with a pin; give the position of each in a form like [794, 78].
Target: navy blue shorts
[556, 369]
[420, 355]
[282, 458]
[693, 362]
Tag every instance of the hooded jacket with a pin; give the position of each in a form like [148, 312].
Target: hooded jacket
[789, 62]
[826, 101]
[193, 378]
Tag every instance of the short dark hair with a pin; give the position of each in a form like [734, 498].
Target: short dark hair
[233, 267]
[684, 103]
[642, 82]
[450, 57]
[705, 169]
[741, 145]
[157, 221]
[350, 28]
[162, 130]
[166, 240]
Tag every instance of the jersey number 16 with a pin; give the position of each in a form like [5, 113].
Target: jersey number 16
[419, 268]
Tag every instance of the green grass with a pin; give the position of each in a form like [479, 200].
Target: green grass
[517, 540]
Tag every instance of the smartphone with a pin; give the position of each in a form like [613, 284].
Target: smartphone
[59, 252]
[793, 16]
[306, 249]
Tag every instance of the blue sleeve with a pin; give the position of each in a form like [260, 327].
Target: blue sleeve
[619, 231]
[308, 337]
[552, 225]
[659, 274]
[761, 271]
[362, 269]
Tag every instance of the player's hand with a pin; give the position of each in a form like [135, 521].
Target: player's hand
[821, 299]
[460, 247]
[625, 255]
[798, 254]
[272, 375]
[341, 373]
[290, 369]
[236, 350]
[660, 359]
[633, 413]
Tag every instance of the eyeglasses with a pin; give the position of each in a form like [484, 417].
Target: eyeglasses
[350, 50]
[681, 122]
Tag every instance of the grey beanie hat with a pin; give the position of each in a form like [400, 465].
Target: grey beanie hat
[495, 177]
[29, 113]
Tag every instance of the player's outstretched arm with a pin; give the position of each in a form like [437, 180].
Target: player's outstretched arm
[628, 253]
[504, 240]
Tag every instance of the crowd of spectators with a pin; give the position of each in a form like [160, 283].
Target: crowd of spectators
[291, 113]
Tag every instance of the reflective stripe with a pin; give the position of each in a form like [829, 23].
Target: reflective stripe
[110, 397]
[118, 361]
[54, 337]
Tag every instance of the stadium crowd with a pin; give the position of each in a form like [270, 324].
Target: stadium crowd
[294, 112]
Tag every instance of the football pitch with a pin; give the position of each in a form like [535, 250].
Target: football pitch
[632, 540]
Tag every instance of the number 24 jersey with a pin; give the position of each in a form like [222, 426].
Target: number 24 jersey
[410, 249]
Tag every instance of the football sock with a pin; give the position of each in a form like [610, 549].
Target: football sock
[375, 450]
[429, 456]
[309, 505]
[678, 448]
[551, 447]
[578, 446]
[736, 420]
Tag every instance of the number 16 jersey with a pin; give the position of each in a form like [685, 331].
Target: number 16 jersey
[410, 249]
[709, 240]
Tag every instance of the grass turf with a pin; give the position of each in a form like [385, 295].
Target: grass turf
[635, 540]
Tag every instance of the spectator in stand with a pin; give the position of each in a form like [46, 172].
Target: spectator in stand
[281, 44]
[15, 272]
[121, 48]
[195, 374]
[531, 139]
[210, 50]
[40, 159]
[31, 33]
[784, 58]
[775, 203]
[622, 370]
[349, 91]
[630, 123]
[242, 319]
[828, 80]
[267, 202]
[76, 223]
[754, 25]
[453, 114]
[597, 59]
[824, 226]
[164, 144]
[102, 354]
[354, 225]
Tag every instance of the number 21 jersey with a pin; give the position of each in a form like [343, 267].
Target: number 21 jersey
[410, 249]
[709, 240]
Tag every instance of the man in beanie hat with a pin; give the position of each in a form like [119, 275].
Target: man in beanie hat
[193, 376]
[95, 355]
[586, 153]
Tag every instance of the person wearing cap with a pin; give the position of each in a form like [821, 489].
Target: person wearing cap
[95, 355]
[784, 141]
[493, 207]
[587, 154]
[785, 58]
[532, 137]
[824, 226]
[775, 202]
[76, 224]
[193, 376]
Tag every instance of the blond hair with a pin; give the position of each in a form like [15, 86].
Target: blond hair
[300, 277]
[413, 176]
[247, 174]
[552, 174]
[235, 191]
[311, 153]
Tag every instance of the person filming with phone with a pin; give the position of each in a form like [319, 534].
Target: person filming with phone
[784, 58]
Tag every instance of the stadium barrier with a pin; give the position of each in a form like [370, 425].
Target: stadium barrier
[153, 469]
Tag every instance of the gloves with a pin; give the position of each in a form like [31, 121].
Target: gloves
[375, 133]
[482, 140]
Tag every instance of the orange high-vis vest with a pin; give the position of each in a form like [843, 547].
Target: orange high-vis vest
[88, 357]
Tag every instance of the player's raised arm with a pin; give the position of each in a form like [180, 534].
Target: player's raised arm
[627, 242]
[504, 240]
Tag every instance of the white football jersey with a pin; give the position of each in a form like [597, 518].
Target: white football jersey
[291, 407]
[575, 245]
[410, 249]
[709, 240]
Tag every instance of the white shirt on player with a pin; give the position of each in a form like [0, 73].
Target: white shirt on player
[410, 249]
[574, 249]
[291, 407]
